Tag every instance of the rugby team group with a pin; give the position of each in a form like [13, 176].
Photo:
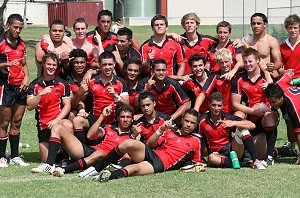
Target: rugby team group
[114, 108]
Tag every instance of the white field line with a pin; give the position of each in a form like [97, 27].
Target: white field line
[23, 179]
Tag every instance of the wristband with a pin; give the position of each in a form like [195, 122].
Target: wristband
[81, 111]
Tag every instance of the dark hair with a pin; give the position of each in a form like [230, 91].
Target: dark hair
[57, 22]
[146, 94]
[159, 17]
[104, 13]
[196, 57]
[216, 96]
[106, 55]
[251, 51]
[291, 20]
[258, 14]
[13, 17]
[224, 24]
[124, 108]
[52, 56]
[132, 61]
[80, 20]
[192, 112]
[274, 90]
[158, 61]
[125, 32]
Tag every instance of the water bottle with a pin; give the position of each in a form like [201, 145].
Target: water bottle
[295, 81]
[24, 145]
[234, 160]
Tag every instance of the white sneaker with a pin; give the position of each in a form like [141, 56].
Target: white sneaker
[43, 168]
[103, 176]
[59, 172]
[18, 161]
[90, 172]
[3, 162]
[258, 165]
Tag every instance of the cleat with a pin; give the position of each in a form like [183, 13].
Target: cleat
[43, 168]
[103, 176]
[258, 165]
[59, 172]
[64, 163]
[298, 160]
[90, 172]
[18, 161]
[3, 162]
[113, 167]
[270, 161]
[195, 168]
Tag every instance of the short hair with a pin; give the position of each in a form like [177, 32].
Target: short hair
[158, 61]
[57, 22]
[222, 54]
[52, 56]
[104, 13]
[216, 96]
[124, 108]
[274, 90]
[78, 53]
[13, 17]
[159, 17]
[80, 20]
[291, 20]
[258, 14]
[190, 16]
[192, 112]
[132, 61]
[251, 51]
[224, 24]
[125, 32]
[106, 55]
[196, 57]
[146, 94]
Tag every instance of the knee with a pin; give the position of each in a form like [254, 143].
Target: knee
[57, 129]
[213, 159]
[67, 124]
[4, 124]
[78, 122]
[240, 114]
[126, 145]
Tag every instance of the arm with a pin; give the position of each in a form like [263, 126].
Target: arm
[236, 106]
[242, 124]
[152, 141]
[239, 64]
[25, 82]
[63, 113]
[76, 98]
[275, 54]
[33, 101]
[199, 101]
[39, 53]
[180, 111]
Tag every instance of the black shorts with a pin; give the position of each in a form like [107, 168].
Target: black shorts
[154, 160]
[10, 95]
[44, 135]
[91, 119]
[225, 150]
[87, 150]
[258, 128]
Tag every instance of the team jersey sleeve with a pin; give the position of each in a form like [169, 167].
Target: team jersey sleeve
[235, 87]
[285, 79]
[141, 85]
[196, 156]
[31, 89]
[209, 83]
[180, 95]
[180, 56]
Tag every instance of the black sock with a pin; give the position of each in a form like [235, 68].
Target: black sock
[14, 145]
[78, 165]
[3, 142]
[119, 173]
[249, 145]
[125, 162]
[80, 135]
[54, 145]
[271, 136]
[111, 158]
[225, 162]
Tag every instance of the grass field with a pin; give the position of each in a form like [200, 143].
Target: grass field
[278, 181]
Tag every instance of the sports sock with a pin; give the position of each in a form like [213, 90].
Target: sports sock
[271, 136]
[249, 145]
[125, 162]
[14, 140]
[3, 142]
[54, 145]
[111, 158]
[119, 173]
[225, 162]
[80, 135]
[78, 165]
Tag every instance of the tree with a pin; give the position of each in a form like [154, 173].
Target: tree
[2, 8]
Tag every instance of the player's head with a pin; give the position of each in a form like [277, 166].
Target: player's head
[189, 121]
[14, 24]
[159, 24]
[292, 25]
[104, 19]
[223, 31]
[261, 15]
[159, 69]
[147, 103]
[78, 60]
[50, 63]
[132, 69]
[124, 116]
[258, 22]
[223, 58]
[190, 22]
[80, 27]
[275, 95]
[107, 62]
[124, 38]
[57, 30]
[216, 103]
[251, 59]
[197, 63]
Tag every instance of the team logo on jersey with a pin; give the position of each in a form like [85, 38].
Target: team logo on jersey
[245, 86]
[171, 49]
[208, 128]
[188, 144]
[170, 135]
[219, 82]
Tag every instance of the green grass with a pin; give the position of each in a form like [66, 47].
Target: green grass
[278, 181]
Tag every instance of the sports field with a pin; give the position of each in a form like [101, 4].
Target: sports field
[281, 180]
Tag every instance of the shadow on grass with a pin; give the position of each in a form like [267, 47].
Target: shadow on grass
[285, 160]
[30, 43]
[33, 157]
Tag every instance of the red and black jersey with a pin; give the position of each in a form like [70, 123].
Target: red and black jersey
[169, 99]
[147, 128]
[110, 139]
[132, 95]
[201, 47]
[171, 51]
[216, 136]
[175, 148]
[213, 64]
[74, 84]
[291, 57]
[193, 89]
[213, 83]
[13, 75]
[252, 91]
[101, 98]
[110, 38]
[291, 100]
[50, 104]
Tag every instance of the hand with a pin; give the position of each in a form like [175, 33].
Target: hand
[64, 56]
[166, 125]
[237, 43]
[97, 37]
[264, 84]
[111, 90]
[15, 62]
[151, 55]
[227, 123]
[84, 87]
[87, 77]
[176, 37]
[228, 75]
[150, 83]
[270, 67]
[120, 25]
[117, 55]
[46, 90]
[82, 114]
[258, 113]
[25, 84]
[52, 123]
[107, 110]
[136, 129]
[186, 77]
